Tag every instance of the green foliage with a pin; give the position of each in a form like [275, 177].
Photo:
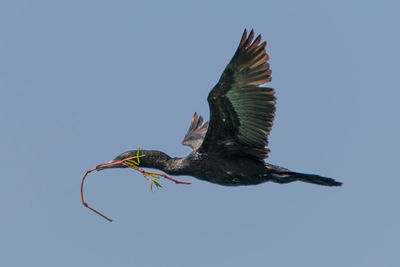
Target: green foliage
[134, 163]
[131, 161]
[154, 182]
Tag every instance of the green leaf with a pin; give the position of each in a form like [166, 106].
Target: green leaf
[154, 182]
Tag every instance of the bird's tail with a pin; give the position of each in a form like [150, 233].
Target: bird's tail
[284, 177]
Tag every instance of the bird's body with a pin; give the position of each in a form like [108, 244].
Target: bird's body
[231, 148]
[212, 168]
[228, 171]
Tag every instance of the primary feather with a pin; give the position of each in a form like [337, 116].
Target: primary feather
[241, 111]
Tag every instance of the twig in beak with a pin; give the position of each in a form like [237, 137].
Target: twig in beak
[131, 164]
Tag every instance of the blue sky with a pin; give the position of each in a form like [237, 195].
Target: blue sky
[82, 81]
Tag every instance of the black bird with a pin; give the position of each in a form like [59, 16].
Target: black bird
[230, 150]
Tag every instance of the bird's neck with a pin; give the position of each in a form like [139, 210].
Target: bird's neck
[161, 161]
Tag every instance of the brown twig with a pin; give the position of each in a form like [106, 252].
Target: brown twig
[143, 172]
[83, 201]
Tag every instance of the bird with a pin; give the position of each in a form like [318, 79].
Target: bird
[231, 148]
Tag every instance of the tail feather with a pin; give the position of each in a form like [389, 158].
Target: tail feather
[288, 177]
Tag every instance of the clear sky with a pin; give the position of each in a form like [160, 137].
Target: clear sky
[83, 81]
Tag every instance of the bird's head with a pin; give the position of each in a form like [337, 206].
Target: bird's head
[114, 163]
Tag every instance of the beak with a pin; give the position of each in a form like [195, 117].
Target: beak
[108, 165]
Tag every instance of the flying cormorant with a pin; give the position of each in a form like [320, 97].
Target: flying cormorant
[231, 148]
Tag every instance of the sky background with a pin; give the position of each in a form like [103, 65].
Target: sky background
[83, 81]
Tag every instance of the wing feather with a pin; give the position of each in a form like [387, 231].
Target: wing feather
[241, 111]
[196, 132]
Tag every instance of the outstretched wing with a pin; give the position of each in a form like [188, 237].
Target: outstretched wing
[195, 135]
[242, 112]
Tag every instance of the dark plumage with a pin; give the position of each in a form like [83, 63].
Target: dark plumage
[230, 150]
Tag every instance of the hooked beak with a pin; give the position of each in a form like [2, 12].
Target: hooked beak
[108, 165]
